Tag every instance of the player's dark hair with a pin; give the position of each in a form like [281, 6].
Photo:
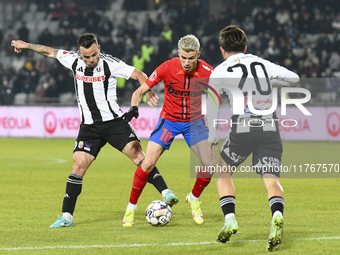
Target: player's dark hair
[86, 40]
[233, 39]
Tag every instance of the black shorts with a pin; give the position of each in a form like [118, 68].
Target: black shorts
[266, 147]
[91, 138]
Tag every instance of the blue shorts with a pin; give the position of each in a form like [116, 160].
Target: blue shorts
[166, 131]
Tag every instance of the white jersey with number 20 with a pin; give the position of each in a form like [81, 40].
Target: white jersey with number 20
[248, 73]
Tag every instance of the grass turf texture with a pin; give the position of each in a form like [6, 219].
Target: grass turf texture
[33, 175]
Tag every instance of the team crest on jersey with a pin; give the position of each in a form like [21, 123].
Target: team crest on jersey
[98, 69]
[153, 76]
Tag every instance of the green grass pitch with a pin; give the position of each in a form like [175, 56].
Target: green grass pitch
[33, 175]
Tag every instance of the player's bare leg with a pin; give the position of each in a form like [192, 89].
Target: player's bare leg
[226, 192]
[276, 202]
[134, 151]
[153, 153]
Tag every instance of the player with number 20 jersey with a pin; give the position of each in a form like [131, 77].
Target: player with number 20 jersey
[250, 132]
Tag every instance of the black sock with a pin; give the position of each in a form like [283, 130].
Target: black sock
[276, 204]
[157, 180]
[73, 189]
[227, 204]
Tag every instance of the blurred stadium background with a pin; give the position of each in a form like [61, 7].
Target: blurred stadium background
[301, 35]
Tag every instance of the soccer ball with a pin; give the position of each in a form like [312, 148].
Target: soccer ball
[158, 213]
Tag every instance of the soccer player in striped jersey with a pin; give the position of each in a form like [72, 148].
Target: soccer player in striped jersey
[102, 120]
[181, 114]
[250, 133]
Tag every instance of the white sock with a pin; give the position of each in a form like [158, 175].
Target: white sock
[68, 216]
[164, 192]
[131, 207]
[193, 198]
[229, 215]
[276, 213]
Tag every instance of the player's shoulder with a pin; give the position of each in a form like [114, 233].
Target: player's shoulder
[109, 58]
[172, 62]
[68, 54]
[253, 58]
[170, 65]
[219, 70]
[205, 65]
[239, 58]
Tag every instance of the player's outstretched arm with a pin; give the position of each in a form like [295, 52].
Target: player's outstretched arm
[41, 49]
[151, 97]
[139, 76]
[137, 95]
[284, 77]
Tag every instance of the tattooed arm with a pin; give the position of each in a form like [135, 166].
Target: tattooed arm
[41, 49]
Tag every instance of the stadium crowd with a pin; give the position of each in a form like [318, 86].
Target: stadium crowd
[300, 35]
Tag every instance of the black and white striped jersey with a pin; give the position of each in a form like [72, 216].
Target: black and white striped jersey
[247, 72]
[96, 87]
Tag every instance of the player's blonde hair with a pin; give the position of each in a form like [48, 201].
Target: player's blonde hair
[189, 43]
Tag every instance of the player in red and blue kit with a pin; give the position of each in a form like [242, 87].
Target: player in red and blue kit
[181, 114]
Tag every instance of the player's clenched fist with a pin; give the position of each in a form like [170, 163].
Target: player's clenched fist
[18, 45]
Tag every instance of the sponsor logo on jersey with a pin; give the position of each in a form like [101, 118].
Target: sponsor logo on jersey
[65, 52]
[266, 101]
[183, 93]
[90, 78]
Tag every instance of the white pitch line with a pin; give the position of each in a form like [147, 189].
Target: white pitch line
[52, 160]
[146, 245]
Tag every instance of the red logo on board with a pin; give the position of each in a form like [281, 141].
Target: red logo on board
[50, 122]
[333, 124]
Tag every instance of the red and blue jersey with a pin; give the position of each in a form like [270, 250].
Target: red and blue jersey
[182, 91]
